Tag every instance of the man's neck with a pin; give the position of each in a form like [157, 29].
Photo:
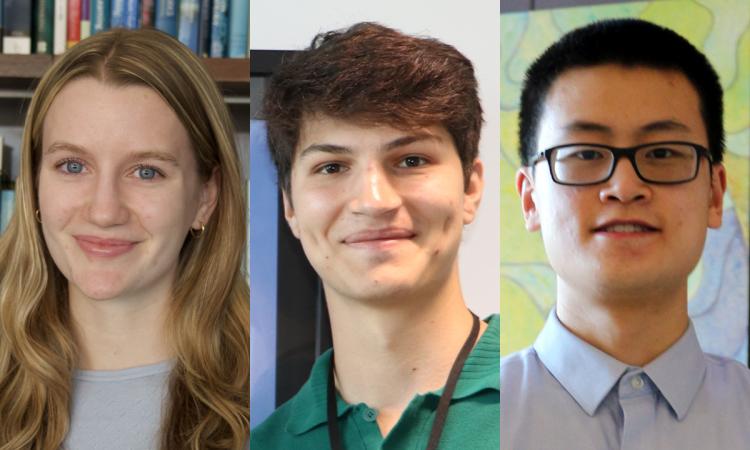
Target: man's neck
[634, 329]
[386, 356]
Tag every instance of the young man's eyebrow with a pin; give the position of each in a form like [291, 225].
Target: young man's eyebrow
[410, 139]
[325, 148]
[663, 125]
[583, 125]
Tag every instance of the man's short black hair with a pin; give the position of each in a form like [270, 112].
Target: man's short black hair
[629, 42]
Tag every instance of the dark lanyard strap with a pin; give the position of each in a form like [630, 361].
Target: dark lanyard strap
[441, 413]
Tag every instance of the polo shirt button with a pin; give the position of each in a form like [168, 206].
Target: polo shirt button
[637, 382]
[369, 414]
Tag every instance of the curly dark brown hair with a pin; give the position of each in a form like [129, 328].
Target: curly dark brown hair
[377, 75]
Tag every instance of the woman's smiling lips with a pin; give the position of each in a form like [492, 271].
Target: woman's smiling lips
[101, 247]
[378, 238]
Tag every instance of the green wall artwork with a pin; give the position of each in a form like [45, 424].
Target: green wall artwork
[718, 288]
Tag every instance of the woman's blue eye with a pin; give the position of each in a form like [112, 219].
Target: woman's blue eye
[73, 167]
[147, 173]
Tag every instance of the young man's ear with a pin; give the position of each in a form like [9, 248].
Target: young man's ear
[473, 191]
[291, 219]
[525, 188]
[716, 200]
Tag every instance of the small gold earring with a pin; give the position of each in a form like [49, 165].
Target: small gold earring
[38, 215]
[197, 234]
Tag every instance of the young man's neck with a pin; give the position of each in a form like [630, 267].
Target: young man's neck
[386, 356]
[634, 329]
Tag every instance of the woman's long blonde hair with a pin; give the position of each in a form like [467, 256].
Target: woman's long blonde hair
[208, 403]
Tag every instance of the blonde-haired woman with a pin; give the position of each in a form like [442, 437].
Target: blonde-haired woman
[124, 317]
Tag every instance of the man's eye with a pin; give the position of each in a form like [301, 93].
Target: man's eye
[589, 155]
[412, 161]
[330, 168]
[661, 153]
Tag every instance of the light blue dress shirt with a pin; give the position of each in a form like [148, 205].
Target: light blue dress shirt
[564, 394]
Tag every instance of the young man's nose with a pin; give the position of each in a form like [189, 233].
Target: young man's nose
[375, 192]
[106, 206]
[625, 185]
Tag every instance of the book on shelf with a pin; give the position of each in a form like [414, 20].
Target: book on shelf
[147, 13]
[74, 23]
[7, 194]
[17, 23]
[85, 19]
[100, 15]
[45, 12]
[187, 27]
[166, 16]
[219, 29]
[204, 28]
[239, 17]
[59, 27]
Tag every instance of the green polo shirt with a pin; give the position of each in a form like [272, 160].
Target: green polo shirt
[473, 418]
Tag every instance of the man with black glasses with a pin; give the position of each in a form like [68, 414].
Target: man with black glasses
[621, 144]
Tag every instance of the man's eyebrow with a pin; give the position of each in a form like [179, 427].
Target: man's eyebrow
[325, 148]
[583, 125]
[410, 139]
[663, 125]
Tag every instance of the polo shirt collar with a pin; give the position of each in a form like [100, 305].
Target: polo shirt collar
[588, 374]
[481, 371]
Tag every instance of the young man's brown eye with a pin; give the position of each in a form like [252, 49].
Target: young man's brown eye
[412, 161]
[331, 168]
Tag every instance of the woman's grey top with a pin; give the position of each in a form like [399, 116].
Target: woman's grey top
[119, 409]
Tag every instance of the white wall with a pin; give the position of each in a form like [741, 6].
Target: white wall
[474, 31]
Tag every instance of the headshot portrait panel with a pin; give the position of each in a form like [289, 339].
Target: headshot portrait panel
[375, 142]
[624, 272]
[124, 312]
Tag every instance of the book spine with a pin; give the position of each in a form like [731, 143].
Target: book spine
[238, 26]
[17, 20]
[85, 19]
[187, 28]
[132, 14]
[204, 28]
[100, 15]
[74, 22]
[45, 12]
[219, 28]
[8, 201]
[117, 18]
[147, 13]
[166, 16]
[60, 26]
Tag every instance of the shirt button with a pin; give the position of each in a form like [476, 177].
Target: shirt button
[637, 382]
[369, 414]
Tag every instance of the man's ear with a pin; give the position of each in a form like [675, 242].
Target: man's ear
[209, 196]
[291, 219]
[716, 200]
[473, 191]
[525, 188]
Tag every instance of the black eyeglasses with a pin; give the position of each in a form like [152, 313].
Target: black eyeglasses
[671, 162]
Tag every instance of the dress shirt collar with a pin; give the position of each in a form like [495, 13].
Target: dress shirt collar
[588, 374]
[480, 372]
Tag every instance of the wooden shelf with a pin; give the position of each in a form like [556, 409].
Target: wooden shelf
[19, 73]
